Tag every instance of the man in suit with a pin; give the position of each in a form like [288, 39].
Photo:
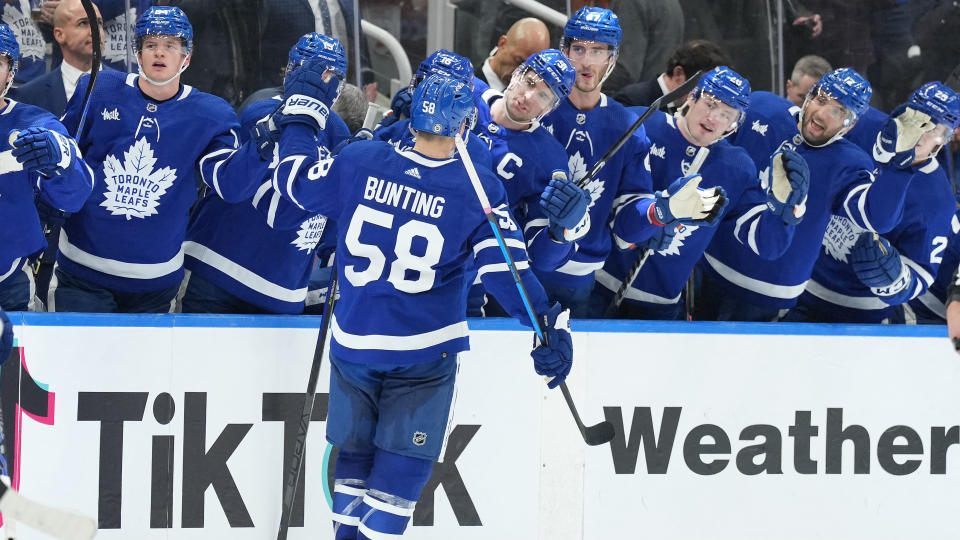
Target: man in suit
[526, 37]
[693, 56]
[71, 29]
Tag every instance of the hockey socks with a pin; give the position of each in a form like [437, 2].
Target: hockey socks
[394, 486]
[350, 486]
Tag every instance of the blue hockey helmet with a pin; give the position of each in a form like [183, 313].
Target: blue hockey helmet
[726, 85]
[9, 47]
[846, 86]
[938, 100]
[314, 45]
[555, 69]
[164, 21]
[446, 63]
[593, 24]
[441, 105]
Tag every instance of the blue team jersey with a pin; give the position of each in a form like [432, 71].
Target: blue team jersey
[523, 160]
[930, 307]
[233, 245]
[399, 135]
[129, 234]
[920, 237]
[842, 182]
[33, 48]
[864, 132]
[20, 231]
[586, 136]
[409, 229]
[664, 275]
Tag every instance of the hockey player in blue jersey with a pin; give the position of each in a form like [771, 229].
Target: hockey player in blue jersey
[37, 158]
[930, 307]
[740, 285]
[144, 137]
[410, 225]
[239, 260]
[693, 137]
[586, 124]
[859, 278]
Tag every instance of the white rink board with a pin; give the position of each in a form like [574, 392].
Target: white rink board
[521, 469]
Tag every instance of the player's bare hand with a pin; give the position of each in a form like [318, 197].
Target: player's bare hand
[813, 22]
[46, 11]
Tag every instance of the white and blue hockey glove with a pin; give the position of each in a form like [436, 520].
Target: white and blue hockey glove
[265, 134]
[897, 141]
[46, 152]
[6, 337]
[684, 202]
[662, 238]
[566, 207]
[878, 266]
[555, 360]
[308, 93]
[788, 186]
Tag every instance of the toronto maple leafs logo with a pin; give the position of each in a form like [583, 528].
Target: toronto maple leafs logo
[115, 30]
[578, 169]
[840, 237]
[310, 233]
[683, 232]
[134, 188]
[17, 17]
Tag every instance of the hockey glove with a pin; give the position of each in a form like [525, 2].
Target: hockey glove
[556, 359]
[308, 93]
[878, 266]
[662, 239]
[6, 337]
[684, 202]
[897, 141]
[400, 104]
[362, 134]
[566, 206]
[788, 186]
[46, 152]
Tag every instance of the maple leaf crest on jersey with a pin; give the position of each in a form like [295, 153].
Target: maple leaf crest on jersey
[310, 233]
[134, 188]
[683, 232]
[840, 237]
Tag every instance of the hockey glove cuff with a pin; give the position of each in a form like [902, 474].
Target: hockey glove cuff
[788, 186]
[565, 205]
[44, 151]
[878, 266]
[554, 360]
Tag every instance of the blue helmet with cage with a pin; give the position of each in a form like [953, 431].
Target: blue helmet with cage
[726, 85]
[164, 21]
[314, 45]
[9, 47]
[593, 24]
[939, 101]
[446, 63]
[555, 69]
[846, 86]
[441, 105]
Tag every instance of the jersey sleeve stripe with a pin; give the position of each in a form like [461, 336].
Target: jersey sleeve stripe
[500, 267]
[492, 242]
[747, 216]
[921, 271]
[398, 343]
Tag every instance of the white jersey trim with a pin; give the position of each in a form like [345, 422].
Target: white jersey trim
[871, 303]
[931, 302]
[501, 267]
[398, 343]
[921, 271]
[242, 275]
[578, 268]
[772, 290]
[492, 242]
[13, 268]
[613, 284]
[423, 160]
[119, 268]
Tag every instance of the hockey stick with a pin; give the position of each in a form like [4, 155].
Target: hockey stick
[669, 97]
[647, 252]
[53, 521]
[600, 433]
[97, 44]
[300, 442]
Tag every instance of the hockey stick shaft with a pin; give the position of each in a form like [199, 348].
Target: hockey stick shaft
[669, 97]
[635, 268]
[97, 43]
[300, 442]
[593, 435]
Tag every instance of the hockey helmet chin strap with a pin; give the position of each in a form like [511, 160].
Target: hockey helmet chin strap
[183, 67]
[848, 123]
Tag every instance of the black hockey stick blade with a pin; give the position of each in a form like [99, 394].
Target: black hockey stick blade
[594, 435]
[669, 97]
[292, 476]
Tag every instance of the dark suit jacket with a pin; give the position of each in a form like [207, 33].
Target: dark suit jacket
[46, 92]
[642, 93]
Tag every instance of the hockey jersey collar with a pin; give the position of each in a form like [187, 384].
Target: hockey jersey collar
[930, 166]
[185, 89]
[10, 105]
[423, 160]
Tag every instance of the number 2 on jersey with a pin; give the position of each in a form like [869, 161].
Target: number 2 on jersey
[420, 265]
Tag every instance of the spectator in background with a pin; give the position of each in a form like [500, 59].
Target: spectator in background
[692, 57]
[71, 30]
[526, 37]
[806, 72]
[351, 106]
[33, 48]
[654, 32]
